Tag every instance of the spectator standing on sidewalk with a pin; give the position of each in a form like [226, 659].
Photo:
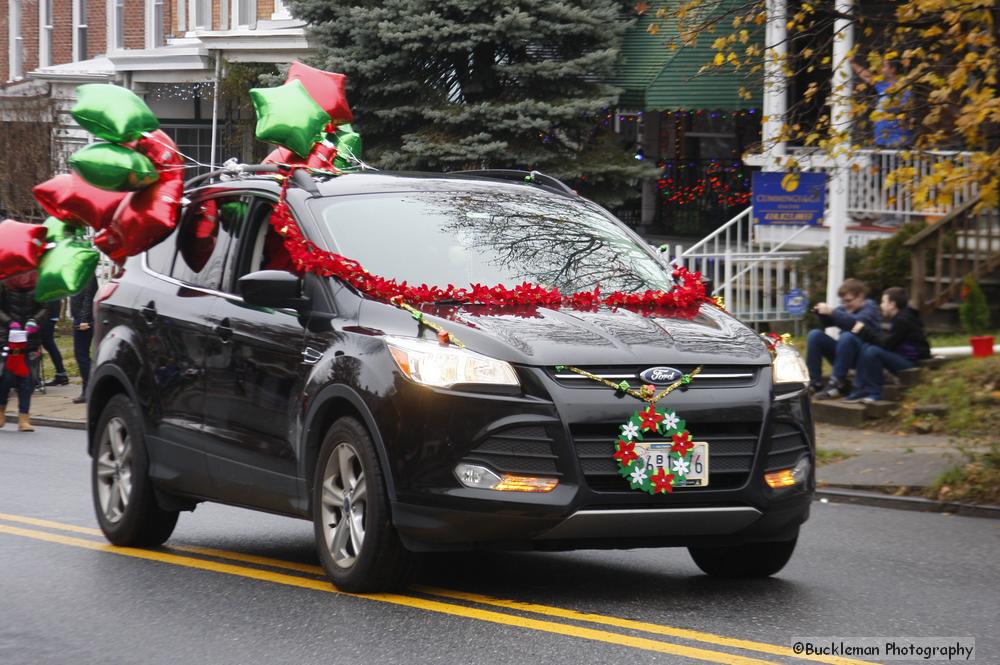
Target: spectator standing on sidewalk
[895, 350]
[19, 313]
[53, 312]
[81, 307]
[843, 351]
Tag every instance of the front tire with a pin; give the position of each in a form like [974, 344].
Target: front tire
[358, 546]
[749, 560]
[126, 507]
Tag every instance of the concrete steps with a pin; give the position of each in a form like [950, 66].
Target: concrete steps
[854, 414]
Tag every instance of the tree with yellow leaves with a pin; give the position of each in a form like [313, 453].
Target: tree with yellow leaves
[925, 79]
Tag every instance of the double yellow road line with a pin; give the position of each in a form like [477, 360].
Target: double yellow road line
[431, 599]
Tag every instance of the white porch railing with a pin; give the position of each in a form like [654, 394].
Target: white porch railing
[750, 272]
[868, 192]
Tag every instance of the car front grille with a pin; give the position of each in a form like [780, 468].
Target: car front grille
[711, 376]
[788, 444]
[524, 450]
[731, 448]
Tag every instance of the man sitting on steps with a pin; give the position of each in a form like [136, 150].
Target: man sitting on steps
[854, 313]
[896, 350]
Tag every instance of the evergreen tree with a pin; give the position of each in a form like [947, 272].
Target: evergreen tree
[465, 84]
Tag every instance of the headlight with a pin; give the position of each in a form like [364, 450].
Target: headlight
[431, 364]
[787, 365]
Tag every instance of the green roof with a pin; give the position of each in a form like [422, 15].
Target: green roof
[658, 78]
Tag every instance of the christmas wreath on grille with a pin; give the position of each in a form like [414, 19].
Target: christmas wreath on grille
[645, 467]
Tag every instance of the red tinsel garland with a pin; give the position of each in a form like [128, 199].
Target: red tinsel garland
[308, 257]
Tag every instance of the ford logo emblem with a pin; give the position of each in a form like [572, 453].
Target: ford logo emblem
[660, 376]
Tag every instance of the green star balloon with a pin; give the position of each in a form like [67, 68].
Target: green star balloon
[113, 167]
[288, 116]
[112, 113]
[348, 143]
[65, 269]
[58, 230]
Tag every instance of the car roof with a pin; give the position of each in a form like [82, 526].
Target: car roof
[372, 182]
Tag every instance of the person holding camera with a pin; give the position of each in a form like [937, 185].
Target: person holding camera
[843, 351]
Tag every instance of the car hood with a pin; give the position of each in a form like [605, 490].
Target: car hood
[541, 336]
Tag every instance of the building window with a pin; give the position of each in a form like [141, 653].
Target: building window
[116, 32]
[280, 11]
[244, 13]
[45, 30]
[203, 14]
[154, 19]
[15, 46]
[79, 30]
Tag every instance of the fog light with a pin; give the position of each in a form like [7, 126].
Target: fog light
[479, 477]
[788, 477]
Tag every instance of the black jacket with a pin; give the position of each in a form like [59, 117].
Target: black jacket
[20, 305]
[81, 305]
[905, 335]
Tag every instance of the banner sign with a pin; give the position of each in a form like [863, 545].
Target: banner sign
[795, 199]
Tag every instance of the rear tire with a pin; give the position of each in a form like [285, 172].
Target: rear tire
[358, 546]
[124, 501]
[744, 561]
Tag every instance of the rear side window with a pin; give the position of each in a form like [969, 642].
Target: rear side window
[160, 257]
[203, 240]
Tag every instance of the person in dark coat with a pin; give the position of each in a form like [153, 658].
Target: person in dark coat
[53, 311]
[897, 349]
[843, 351]
[81, 308]
[18, 305]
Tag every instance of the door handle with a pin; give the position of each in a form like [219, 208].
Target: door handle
[311, 356]
[224, 330]
[149, 312]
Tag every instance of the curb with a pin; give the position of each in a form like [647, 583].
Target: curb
[917, 503]
[45, 421]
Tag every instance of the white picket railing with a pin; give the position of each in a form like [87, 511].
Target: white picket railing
[869, 193]
[751, 273]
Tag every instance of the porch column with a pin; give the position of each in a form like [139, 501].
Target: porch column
[775, 85]
[840, 120]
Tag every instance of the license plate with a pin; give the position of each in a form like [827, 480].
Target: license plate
[658, 455]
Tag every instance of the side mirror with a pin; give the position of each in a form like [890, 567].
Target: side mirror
[272, 288]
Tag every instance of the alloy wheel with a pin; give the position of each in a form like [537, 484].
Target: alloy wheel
[343, 503]
[114, 470]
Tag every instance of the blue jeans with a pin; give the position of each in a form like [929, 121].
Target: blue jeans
[81, 349]
[842, 353]
[870, 376]
[25, 386]
[49, 344]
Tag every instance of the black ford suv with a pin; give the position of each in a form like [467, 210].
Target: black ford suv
[219, 375]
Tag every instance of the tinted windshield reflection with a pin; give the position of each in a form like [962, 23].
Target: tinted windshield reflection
[489, 238]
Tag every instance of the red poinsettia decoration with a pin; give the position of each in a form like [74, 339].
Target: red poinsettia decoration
[625, 452]
[651, 419]
[662, 481]
[682, 443]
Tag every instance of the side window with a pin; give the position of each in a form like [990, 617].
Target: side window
[261, 248]
[160, 257]
[203, 239]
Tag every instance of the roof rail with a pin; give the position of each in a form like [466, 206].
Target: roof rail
[522, 176]
[233, 170]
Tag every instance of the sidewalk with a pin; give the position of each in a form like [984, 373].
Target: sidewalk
[55, 408]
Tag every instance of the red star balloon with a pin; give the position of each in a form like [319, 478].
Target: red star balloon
[326, 88]
[21, 247]
[144, 219]
[69, 198]
[161, 150]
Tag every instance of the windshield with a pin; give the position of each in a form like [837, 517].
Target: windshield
[489, 238]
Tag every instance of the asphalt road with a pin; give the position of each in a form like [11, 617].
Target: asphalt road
[234, 586]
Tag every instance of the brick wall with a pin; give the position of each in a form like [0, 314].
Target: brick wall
[62, 32]
[97, 27]
[135, 24]
[4, 46]
[265, 9]
[217, 15]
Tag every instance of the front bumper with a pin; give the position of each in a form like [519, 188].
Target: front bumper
[571, 436]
